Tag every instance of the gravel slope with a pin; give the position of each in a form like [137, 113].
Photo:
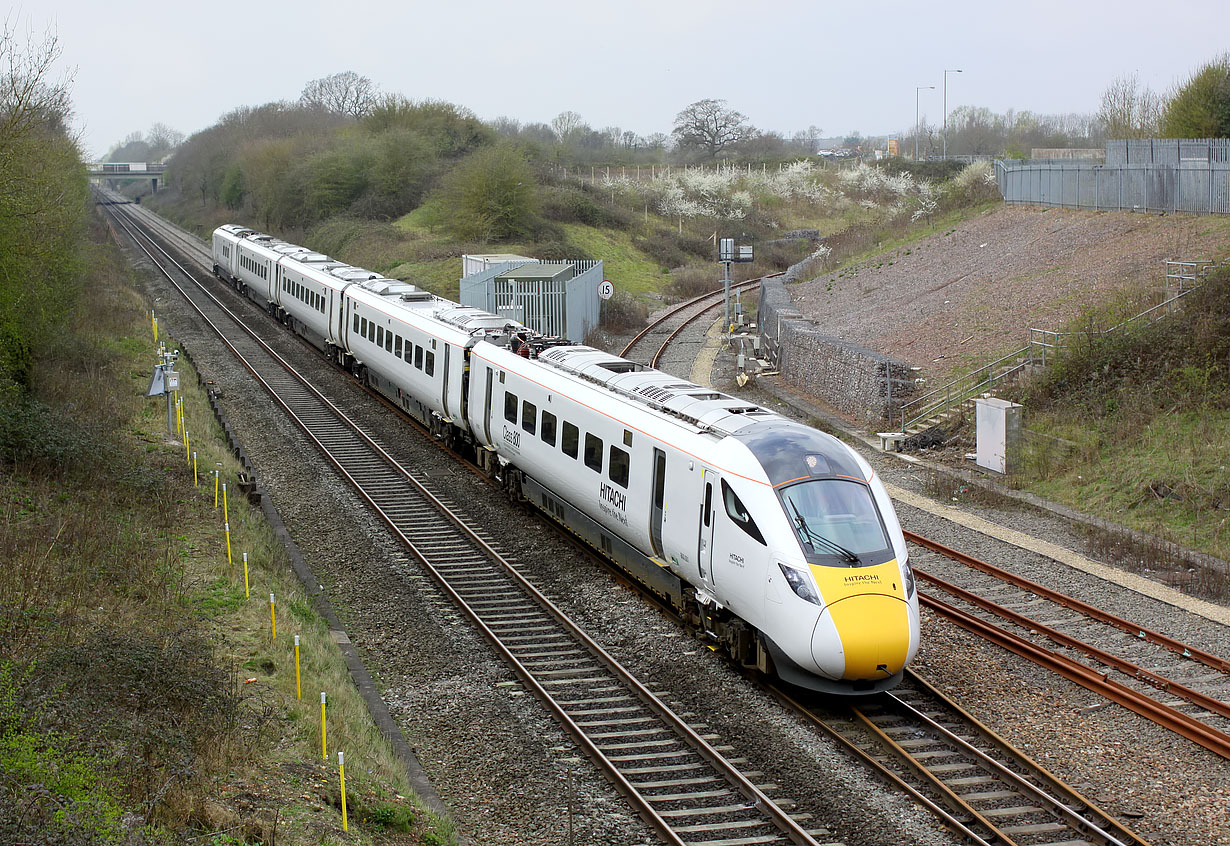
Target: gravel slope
[967, 295]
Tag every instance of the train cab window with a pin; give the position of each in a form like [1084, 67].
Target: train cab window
[429, 363]
[510, 407]
[617, 467]
[593, 452]
[571, 440]
[529, 416]
[397, 346]
[739, 515]
[548, 428]
[418, 356]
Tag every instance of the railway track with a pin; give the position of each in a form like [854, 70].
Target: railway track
[979, 785]
[682, 788]
[679, 780]
[651, 343]
[1176, 685]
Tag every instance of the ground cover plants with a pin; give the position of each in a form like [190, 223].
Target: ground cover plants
[142, 697]
[1134, 421]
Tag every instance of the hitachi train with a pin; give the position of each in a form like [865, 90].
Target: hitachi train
[776, 543]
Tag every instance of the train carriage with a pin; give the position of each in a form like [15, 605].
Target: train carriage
[776, 542]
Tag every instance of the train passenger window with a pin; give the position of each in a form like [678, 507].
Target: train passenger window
[510, 407]
[363, 331]
[548, 427]
[397, 346]
[429, 363]
[617, 467]
[388, 341]
[739, 514]
[708, 501]
[380, 336]
[418, 356]
[593, 452]
[529, 416]
[571, 440]
[356, 323]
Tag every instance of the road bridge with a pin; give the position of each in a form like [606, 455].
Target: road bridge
[116, 171]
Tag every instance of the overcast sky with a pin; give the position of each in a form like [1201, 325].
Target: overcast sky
[633, 64]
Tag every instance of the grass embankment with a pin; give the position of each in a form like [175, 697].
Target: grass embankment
[142, 696]
[1134, 423]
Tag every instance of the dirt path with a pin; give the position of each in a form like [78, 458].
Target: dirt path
[958, 299]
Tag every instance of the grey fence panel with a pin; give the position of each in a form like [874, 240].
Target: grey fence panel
[1197, 186]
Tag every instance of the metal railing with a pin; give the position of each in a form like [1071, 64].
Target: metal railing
[1182, 277]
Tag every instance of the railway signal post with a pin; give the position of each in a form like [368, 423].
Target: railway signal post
[728, 254]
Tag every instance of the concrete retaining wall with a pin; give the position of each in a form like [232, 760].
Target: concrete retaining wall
[852, 379]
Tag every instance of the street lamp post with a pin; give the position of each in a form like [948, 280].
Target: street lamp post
[946, 72]
[916, 90]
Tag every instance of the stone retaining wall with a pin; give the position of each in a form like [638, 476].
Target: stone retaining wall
[852, 379]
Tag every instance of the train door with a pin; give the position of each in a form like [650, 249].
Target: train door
[657, 506]
[444, 381]
[708, 523]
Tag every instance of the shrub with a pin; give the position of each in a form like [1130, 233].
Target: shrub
[622, 313]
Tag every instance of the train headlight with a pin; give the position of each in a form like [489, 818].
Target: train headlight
[800, 584]
[909, 580]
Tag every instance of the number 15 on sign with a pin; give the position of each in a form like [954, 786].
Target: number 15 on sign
[606, 289]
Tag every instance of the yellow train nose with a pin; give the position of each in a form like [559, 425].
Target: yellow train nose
[874, 634]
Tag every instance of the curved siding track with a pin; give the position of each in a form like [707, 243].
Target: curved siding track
[650, 344]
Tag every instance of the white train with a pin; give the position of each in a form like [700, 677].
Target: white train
[775, 541]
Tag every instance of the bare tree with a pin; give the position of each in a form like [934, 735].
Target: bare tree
[1129, 109]
[28, 97]
[710, 126]
[163, 138]
[344, 93]
[568, 124]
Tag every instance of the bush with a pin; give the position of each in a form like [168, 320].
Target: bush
[622, 313]
[490, 196]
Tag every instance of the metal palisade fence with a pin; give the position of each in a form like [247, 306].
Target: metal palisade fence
[1146, 175]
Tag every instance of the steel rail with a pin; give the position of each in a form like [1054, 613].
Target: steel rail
[680, 307]
[1194, 730]
[776, 816]
[1145, 634]
[985, 761]
[1157, 680]
[946, 817]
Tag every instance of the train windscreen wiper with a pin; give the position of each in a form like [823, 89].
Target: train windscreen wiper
[813, 537]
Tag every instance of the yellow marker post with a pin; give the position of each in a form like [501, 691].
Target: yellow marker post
[229, 561]
[187, 447]
[226, 514]
[217, 478]
[247, 592]
[196, 480]
[324, 753]
[273, 617]
[341, 771]
[298, 686]
[154, 320]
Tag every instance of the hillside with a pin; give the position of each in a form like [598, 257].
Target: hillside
[958, 298]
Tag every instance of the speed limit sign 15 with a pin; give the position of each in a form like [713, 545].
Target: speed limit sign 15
[606, 289]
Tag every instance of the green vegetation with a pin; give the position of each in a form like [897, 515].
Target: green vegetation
[141, 697]
[1132, 423]
[1200, 107]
